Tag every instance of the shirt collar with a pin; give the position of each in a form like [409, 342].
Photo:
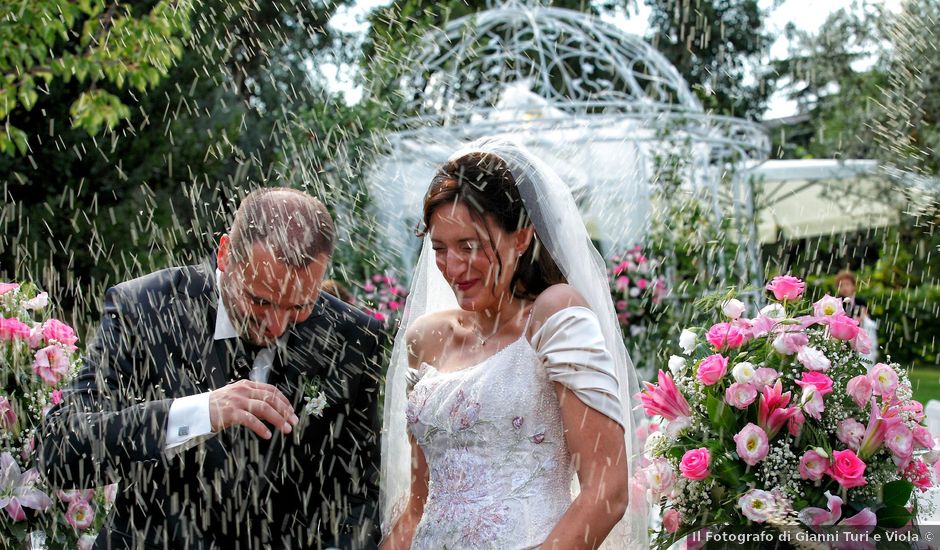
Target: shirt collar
[224, 329]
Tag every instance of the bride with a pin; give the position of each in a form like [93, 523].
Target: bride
[509, 376]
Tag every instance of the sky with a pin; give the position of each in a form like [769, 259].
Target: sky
[807, 15]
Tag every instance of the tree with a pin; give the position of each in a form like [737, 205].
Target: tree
[93, 41]
[154, 189]
[718, 47]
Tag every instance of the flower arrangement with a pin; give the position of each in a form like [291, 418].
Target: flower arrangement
[775, 421]
[635, 288]
[39, 356]
[383, 297]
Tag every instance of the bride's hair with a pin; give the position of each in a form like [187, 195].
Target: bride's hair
[484, 183]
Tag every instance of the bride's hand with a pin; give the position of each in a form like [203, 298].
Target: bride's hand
[248, 403]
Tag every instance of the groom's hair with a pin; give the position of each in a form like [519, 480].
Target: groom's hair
[484, 183]
[295, 226]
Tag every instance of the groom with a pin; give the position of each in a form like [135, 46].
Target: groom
[235, 404]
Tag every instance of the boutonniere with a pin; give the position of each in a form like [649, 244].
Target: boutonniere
[314, 398]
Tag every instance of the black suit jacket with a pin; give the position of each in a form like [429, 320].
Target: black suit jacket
[315, 487]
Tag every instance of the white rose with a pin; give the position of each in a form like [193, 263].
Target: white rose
[774, 311]
[743, 372]
[676, 364]
[733, 308]
[687, 341]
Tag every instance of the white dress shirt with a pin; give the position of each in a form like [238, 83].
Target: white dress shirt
[189, 422]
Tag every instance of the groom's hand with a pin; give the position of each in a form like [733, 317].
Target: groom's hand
[248, 403]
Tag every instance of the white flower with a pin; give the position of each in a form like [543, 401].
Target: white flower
[774, 311]
[40, 301]
[813, 359]
[743, 372]
[652, 441]
[676, 364]
[757, 505]
[679, 425]
[315, 405]
[687, 341]
[634, 292]
[733, 308]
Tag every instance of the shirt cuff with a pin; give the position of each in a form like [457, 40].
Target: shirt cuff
[188, 422]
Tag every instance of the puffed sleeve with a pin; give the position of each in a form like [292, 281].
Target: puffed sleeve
[413, 376]
[571, 347]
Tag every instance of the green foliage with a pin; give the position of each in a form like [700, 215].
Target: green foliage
[714, 44]
[94, 42]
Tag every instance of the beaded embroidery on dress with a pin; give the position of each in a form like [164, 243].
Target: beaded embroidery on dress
[499, 469]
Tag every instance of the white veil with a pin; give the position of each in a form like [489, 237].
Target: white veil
[561, 231]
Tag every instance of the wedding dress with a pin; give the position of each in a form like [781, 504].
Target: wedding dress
[500, 475]
[499, 469]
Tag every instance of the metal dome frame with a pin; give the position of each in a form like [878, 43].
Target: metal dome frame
[586, 79]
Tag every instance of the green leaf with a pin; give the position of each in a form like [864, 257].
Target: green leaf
[720, 414]
[897, 493]
[894, 516]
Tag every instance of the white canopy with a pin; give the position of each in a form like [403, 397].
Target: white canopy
[796, 199]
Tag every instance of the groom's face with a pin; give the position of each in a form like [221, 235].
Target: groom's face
[265, 297]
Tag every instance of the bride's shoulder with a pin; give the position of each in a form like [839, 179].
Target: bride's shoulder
[426, 333]
[552, 300]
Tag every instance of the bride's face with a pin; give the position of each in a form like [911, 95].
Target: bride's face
[477, 257]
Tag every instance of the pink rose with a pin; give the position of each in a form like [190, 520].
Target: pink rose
[851, 432]
[56, 397]
[7, 287]
[883, 380]
[712, 369]
[789, 343]
[843, 327]
[818, 380]
[53, 329]
[828, 306]
[740, 395]
[723, 335]
[813, 359]
[785, 287]
[859, 389]
[847, 469]
[80, 514]
[51, 364]
[694, 464]
[918, 473]
[13, 329]
[671, 520]
[813, 465]
[862, 342]
[751, 444]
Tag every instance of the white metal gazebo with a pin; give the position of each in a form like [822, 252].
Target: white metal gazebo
[600, 105]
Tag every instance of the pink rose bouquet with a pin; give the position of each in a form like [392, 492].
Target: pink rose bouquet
[40, 356]
[773, 418]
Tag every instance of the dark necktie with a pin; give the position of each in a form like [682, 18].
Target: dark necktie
[245, 353]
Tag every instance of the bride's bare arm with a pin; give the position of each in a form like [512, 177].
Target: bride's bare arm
[598, 452]
[402, 533]
[424, 339]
